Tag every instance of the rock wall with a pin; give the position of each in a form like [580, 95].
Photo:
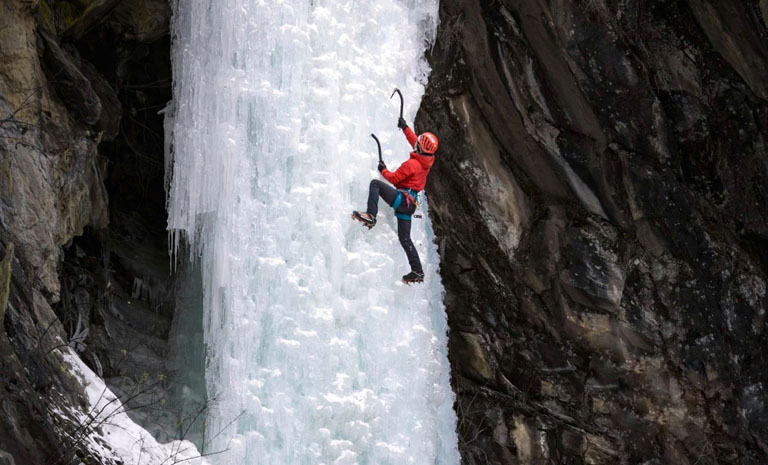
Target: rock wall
[83, 255]
[51, 188]
[601, 207]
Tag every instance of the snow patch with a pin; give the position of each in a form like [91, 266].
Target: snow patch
[109, 433]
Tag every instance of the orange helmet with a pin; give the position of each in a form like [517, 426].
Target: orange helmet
[428, 143]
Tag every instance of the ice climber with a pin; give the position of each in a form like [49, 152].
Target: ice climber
[409, 179]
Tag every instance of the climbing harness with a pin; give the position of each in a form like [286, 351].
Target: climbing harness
[411, 198]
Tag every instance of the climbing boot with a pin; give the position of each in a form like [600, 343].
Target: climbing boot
[367, 219]
[413, 277]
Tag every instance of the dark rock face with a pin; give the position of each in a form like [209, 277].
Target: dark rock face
[83, 255]
[73, 88]
[601, 205]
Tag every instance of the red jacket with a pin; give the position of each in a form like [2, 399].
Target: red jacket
[413, 173]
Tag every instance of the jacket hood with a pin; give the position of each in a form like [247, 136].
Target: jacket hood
[425, 161]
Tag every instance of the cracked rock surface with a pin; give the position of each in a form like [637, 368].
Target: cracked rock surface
[601, 203]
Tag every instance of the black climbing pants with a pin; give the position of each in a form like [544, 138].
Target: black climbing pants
[389, 194]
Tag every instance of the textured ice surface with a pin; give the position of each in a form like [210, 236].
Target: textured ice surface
[314, 347]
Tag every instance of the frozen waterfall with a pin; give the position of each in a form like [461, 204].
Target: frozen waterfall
[316, 353]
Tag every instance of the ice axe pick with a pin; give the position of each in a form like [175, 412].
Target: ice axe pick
[379, 144]
[397, 91]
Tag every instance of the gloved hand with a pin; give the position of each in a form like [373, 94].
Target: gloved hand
[382, 166]
[401, 123]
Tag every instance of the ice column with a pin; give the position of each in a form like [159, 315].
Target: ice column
[316, 352]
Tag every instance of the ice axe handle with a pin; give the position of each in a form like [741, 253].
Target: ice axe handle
[379, 144]
[401, 99]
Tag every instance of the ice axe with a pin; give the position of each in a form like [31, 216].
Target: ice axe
[379, 144]
[401, 99]
[401, 115]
